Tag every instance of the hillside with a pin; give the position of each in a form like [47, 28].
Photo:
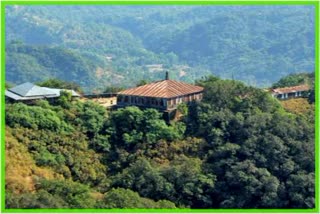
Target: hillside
[299, 106]
[257, 45]
[36, 63]
[238, 148]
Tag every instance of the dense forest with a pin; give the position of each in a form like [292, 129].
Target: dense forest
[99, 46]
[238, 148]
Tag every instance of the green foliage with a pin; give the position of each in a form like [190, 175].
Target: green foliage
[66, 154]
[32, 63]
[34, 117]
[91, 116]
[144, 179]
[112, 89]
[301, 189]
[163, 151]
[142, 82]
[236, 96]
[301, 106]
[183, 181]
[238, 148]
[131, 125]
[55, 140]
[75, 194]
[65, 99]
[21, 168]
[250, 185]
[101, 143]
[8, 85]
[125, 198]
[131, 128]
[40, 199]
[183, 108]
[57, 83]
[252, 150]
[295, 79]
[192, 187]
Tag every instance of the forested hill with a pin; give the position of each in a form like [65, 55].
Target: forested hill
[37, 63]
[238, 148]
[255, 44]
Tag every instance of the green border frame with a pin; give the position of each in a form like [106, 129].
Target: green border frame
[315, 3]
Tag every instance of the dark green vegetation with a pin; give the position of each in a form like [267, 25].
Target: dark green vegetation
[99, 46]
[295, 79]
[237, 149]
[37, 63]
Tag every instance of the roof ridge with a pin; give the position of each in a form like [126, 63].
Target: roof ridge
[22, 89]
[291, 89]
[293, 86]
[163, 88]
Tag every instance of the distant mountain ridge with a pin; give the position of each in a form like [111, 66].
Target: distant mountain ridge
[254, 44]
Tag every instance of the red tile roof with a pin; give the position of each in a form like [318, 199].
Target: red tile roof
[291, 89]
[163, 89]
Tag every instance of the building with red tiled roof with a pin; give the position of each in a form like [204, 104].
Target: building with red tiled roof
[163, 95]
[289, 92]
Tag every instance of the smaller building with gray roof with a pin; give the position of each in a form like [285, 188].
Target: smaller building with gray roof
[28, 91]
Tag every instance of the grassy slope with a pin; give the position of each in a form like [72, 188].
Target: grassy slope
[21, 170]
[298, 106]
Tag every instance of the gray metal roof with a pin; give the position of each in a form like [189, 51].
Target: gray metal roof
[30, 90]
[58, 90]
[18, 97]
[12, 95]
